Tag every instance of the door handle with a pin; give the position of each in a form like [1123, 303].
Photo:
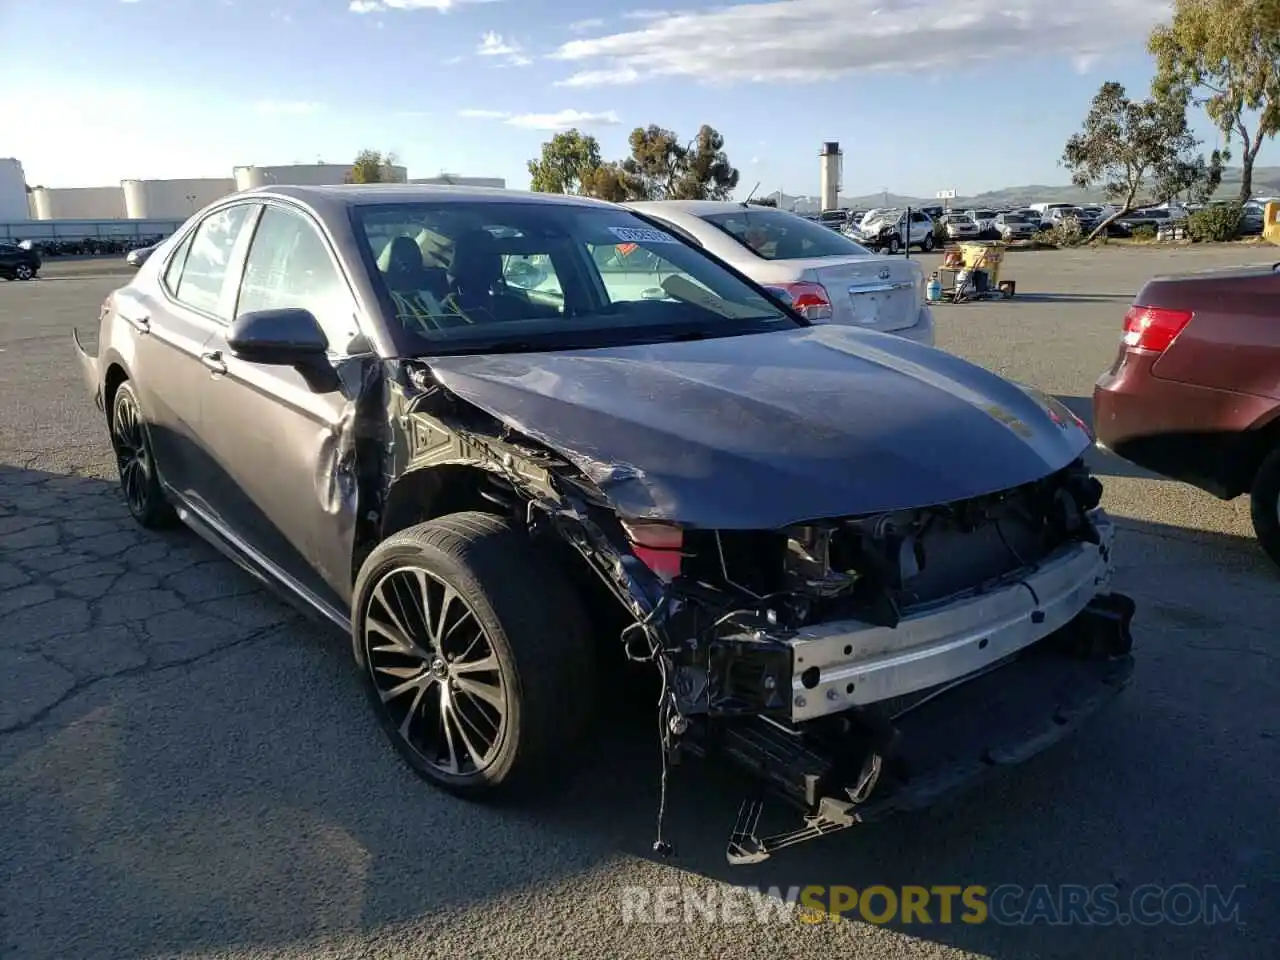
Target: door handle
[142, 324]
[214, 362]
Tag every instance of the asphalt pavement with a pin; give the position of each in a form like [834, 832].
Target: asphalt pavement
[189, 768]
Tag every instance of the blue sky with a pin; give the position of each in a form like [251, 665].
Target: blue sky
[922, 94]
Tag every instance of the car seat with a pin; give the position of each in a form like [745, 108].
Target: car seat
[477, 286]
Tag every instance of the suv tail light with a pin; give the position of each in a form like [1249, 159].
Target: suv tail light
[659, 546]
[1153, 328]
[810, 300]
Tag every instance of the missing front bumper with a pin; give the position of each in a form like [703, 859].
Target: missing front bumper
[943, 743]
[846, 664]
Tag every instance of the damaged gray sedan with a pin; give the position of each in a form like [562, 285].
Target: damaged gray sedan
[502, 438]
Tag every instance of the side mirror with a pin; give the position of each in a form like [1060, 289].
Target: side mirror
[284, 337]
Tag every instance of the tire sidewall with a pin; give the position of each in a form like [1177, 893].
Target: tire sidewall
[158, 513]
[386, 558]
[1264, 506]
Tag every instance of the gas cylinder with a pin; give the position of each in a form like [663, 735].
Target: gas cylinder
[933, 292]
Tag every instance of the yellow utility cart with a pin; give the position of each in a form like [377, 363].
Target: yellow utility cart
[971, 271]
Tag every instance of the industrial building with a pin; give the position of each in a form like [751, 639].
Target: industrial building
[138, 200]
[171, 199]
[453, 180]
[302, 174]
[13, 191]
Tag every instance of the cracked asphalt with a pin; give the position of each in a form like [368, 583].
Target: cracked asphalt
[188, 767]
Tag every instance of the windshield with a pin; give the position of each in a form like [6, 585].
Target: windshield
[778, 235]
[477, 276]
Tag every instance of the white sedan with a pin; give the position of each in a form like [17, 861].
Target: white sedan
[825, 275]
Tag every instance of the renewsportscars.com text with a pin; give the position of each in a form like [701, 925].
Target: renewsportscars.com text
[1006, 904]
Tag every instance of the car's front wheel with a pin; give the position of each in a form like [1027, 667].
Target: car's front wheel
[24, 271]
[475, 653]
[894, 244]
[927, 245]
[136, 462]
[1264, 505]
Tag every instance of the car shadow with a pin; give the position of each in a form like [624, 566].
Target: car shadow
[1103, 462]
[230, 787]
[1073, 297]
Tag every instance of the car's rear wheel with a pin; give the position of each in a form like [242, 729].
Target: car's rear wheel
[894, 244]
[476, 655]
[24, 271]
[927, 246]
[136, 463]
[1264, 505]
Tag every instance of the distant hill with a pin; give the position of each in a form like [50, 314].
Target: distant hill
[1266, 182]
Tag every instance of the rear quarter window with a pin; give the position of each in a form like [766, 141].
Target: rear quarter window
[777, 235]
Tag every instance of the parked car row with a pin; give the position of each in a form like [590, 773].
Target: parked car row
[502, 439]
[18, 263]
[87, 246]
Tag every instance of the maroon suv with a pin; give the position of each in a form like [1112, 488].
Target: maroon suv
[1194, 392]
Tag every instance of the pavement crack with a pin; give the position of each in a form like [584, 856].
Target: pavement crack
[144, 669]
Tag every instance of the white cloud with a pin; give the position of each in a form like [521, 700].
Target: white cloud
[617, 77]
[546, 121]
[582, 26]
[495, 45]
[492, 45]
[286, 107]
[374, 6]
[809, 40]
[564, 120]
[1085, 62]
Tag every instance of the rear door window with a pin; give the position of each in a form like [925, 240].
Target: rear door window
[206, 267]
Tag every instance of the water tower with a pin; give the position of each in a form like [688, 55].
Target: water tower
[831, 160]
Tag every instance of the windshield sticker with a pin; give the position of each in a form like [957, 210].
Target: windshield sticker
[642, 235]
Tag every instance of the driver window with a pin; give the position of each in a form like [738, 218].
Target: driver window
[289, 266]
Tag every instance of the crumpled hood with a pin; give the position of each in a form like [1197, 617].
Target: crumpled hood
[761, 431]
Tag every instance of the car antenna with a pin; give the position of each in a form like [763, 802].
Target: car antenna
[751, 194]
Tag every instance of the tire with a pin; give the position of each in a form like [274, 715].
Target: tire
[1264, 505]
[515, 611]
[24, 271]
[894, 245]
[927, 246]
[136, 463]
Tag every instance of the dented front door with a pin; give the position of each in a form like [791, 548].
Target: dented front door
[285, 440]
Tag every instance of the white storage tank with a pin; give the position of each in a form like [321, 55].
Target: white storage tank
[78, 203]
[302, 174]
[172, 199]
[14, 204]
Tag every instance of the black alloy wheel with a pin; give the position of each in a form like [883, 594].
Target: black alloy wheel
[476, 655]
[136, 464]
